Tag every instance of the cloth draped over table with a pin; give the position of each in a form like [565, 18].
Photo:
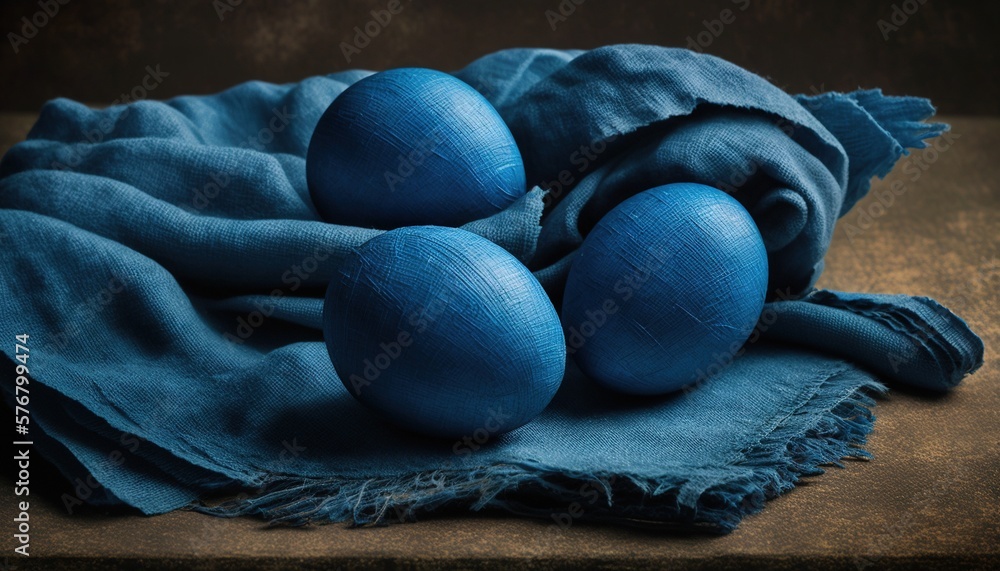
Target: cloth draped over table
[168, 266]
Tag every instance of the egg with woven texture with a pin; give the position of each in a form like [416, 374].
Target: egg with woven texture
[667, 284]
[444, 333]
[412, 146]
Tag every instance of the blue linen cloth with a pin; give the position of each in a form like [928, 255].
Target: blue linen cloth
[167, 263]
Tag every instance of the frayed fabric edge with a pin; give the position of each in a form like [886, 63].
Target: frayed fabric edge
[827, 428]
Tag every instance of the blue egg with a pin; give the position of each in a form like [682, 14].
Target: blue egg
[412, 146]
[665, 289]
[444, 333]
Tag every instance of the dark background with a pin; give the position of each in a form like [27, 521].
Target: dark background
[94, 50]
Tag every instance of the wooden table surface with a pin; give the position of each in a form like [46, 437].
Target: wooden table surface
[929, 499]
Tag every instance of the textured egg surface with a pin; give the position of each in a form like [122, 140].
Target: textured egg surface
[443, 332]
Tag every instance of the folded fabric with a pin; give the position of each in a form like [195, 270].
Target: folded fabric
[168, 266]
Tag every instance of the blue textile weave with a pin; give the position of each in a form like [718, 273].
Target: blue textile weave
[167, 263]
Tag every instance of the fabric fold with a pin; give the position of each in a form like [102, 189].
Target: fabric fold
[641, 116]
[168, 266]
[908, 340]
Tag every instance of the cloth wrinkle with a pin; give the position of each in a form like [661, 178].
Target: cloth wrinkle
[203, 366]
